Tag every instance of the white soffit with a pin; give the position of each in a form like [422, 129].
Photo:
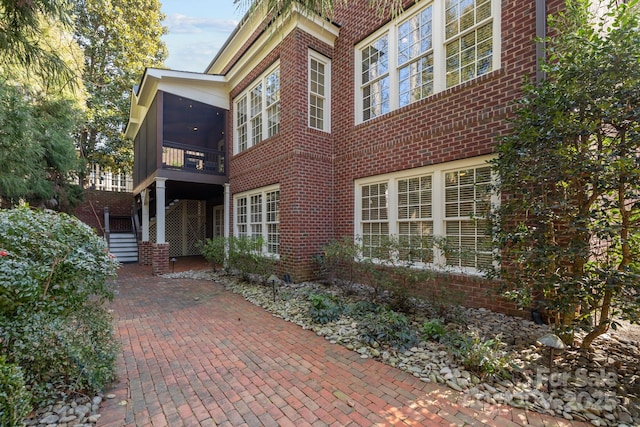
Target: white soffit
[206, 88]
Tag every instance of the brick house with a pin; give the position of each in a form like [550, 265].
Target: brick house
[364, 126]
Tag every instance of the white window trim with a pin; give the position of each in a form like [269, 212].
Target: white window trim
[263, 193]
[438, 43]
[437, 173]
[263, 113]
[326, 118]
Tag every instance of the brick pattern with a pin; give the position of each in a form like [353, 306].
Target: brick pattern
[316, 170]
[194, 354]
[91, 210]
[160, 258]
[145, 253]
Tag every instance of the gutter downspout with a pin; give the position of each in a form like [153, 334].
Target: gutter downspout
[541, 34]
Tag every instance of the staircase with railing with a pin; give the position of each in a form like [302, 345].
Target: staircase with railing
[121, 235]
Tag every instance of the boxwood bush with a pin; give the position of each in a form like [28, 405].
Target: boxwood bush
[55, 273]
[15, 400]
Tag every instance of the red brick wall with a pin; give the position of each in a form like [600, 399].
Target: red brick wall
[119, 203]
[145, 253]
[461, 122]
[316, 171]
[160, 258]
[298, 159]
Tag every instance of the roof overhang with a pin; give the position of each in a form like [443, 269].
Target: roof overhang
[271, 35]
[206, 88]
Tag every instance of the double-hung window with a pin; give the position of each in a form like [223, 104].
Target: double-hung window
[436, 214]
[241, 217]
[375, 78]
[415, 57]
[466, 201]
[438, 45]
[257, 111]
[319, 92]
[469, 39]
[375, 216]
[257, 216]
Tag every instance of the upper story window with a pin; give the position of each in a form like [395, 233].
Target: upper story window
[440, 45]
[257, 111]
[319, 92]
[469, 39]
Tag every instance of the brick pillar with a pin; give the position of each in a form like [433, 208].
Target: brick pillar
[160, 258]
[145, 252]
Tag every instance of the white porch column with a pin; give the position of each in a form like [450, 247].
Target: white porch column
[227, 208]
[160, 212]
[144, 195]
[227, 215]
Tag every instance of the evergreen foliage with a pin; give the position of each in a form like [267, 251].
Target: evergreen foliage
[569, 223]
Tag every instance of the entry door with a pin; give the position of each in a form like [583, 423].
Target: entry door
[218, 221]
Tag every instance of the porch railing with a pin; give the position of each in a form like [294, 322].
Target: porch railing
[188, 158]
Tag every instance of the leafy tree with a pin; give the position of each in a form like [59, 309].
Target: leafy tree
[569, 222]
[39, 116]
[37, 154]
[119, 39]
[21, 41]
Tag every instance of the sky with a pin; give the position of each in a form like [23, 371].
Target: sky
[197, 30]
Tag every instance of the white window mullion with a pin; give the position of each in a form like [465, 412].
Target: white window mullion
[357, 209]
[392, 203]
[394, 77]
[497, 31]
[439, 69]
[265, 234]
[438, 216]
[265, 124]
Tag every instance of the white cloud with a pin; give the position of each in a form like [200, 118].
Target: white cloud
[183, 24]
[194, 56]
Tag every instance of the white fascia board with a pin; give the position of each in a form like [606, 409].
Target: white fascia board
[318, 27]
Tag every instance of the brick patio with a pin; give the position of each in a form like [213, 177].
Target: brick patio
[194, 354]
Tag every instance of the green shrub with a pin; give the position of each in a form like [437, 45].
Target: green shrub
[360, 309]
[484, 357]
[247, 259]
[446, 303]
[214, 251]
[50, 261]
[388, 327]
[58, 354]
[15, 400]
[338, 263]
[433, 330]
[324, 308]
[54, 274]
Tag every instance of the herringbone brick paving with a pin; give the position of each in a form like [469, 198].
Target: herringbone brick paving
[194, 354]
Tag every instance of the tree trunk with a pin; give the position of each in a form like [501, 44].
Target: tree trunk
[605, 321]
